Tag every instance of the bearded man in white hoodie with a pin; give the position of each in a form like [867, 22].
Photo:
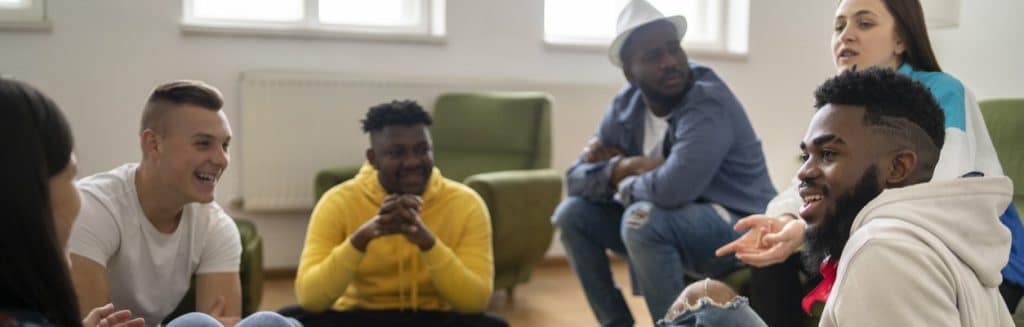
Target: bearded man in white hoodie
[894, 249]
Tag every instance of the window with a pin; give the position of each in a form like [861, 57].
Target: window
[376, 17]
[22, 11]
[713, 26]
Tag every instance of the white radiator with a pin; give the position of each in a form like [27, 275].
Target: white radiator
[295, 124]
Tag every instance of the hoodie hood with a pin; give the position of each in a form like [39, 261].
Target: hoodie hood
[963, 213]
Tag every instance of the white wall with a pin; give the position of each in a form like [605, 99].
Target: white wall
[104, 56]
[984, 51]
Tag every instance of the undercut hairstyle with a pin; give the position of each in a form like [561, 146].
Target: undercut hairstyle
[37, 146]
[894, 105]
[405, 113]
[168, 97]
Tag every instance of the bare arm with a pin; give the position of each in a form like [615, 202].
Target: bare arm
[90, 280]
[219, 294]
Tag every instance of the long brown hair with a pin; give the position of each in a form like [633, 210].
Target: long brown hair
[910, 27]
[37, 143]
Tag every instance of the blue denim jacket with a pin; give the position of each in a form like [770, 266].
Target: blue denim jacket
[712, 153]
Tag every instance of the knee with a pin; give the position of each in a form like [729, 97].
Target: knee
[571, 214]
[716, 291]
[265, 319]
[639, 223]
[194, 319]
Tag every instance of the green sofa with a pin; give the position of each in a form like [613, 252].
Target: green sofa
[1005, 121]
[250, 273]
[498, 144]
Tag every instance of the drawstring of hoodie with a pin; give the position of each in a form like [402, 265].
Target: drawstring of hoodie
[408, 277]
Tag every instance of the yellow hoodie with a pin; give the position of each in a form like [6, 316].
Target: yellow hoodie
[456, 274]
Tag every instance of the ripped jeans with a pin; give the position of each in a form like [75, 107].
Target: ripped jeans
[736, 313]
[662, 246]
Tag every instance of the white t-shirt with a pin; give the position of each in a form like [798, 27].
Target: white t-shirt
[654, 135]
[149, 271]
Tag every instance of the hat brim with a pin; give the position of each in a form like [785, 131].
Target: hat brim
[616, 48]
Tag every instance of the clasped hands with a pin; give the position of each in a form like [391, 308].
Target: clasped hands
[399, 214]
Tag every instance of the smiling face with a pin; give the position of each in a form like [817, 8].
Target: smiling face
[865, 35]
[191, 151]
[655, 61]
[838, 151]
[403, 156]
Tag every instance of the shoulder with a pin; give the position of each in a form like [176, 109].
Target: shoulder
[462, 194]
[893, 243]
[113, 184]
[709, 92]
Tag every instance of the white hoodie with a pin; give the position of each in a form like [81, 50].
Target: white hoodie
[925, 255]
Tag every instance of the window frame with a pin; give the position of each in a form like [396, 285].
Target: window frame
[30, 18]
[718, 49]
[432, 28]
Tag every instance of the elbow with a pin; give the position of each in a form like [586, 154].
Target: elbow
[307, 300]
[475, 302]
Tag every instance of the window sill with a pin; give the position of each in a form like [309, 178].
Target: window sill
[37, 26]
[603, 49]
[202, 29]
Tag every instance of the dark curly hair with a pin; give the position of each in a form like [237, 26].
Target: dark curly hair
[885, 94]
[396, 112]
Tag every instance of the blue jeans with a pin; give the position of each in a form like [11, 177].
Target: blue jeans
[662, 245]
[259, 319]
[736, 313]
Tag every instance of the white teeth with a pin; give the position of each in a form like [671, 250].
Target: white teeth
[812, 198]
[205, 177]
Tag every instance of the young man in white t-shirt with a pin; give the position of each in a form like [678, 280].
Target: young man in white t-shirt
[145, 229]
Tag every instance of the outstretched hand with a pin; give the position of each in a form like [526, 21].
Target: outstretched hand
[105, 316]
[769, 240]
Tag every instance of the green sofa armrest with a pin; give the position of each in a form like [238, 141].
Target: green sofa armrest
[327, 178]
[520, 203]
[250, 273]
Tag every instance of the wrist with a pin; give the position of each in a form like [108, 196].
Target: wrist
[428, 243]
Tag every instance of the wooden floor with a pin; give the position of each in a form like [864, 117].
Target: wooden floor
[553, 297]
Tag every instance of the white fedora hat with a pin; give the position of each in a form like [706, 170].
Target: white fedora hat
[638, 13]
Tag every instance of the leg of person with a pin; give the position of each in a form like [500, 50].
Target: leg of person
[195, 319]
[711, 303]
[775, 292]
[326, 318]
[1011, 294]
[587, 230]
[665, 244]
[456, 319]
[268, 319]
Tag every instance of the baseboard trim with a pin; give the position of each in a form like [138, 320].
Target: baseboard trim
[279, 273]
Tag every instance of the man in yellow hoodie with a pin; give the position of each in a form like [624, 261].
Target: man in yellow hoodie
[398, 244]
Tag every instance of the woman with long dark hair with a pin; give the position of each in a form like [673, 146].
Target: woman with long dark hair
[38, 204]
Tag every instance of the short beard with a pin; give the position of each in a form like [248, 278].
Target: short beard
[829, 237]
[651, 94]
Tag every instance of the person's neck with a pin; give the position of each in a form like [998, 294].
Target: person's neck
[161, 208]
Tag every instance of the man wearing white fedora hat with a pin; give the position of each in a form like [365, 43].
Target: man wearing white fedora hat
[673, 165]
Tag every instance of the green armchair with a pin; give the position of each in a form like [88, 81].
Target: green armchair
[1004, 119]
[250, 273]
[498, 144]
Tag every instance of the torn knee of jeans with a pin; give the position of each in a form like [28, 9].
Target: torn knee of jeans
[699, 294]
[637, 215]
